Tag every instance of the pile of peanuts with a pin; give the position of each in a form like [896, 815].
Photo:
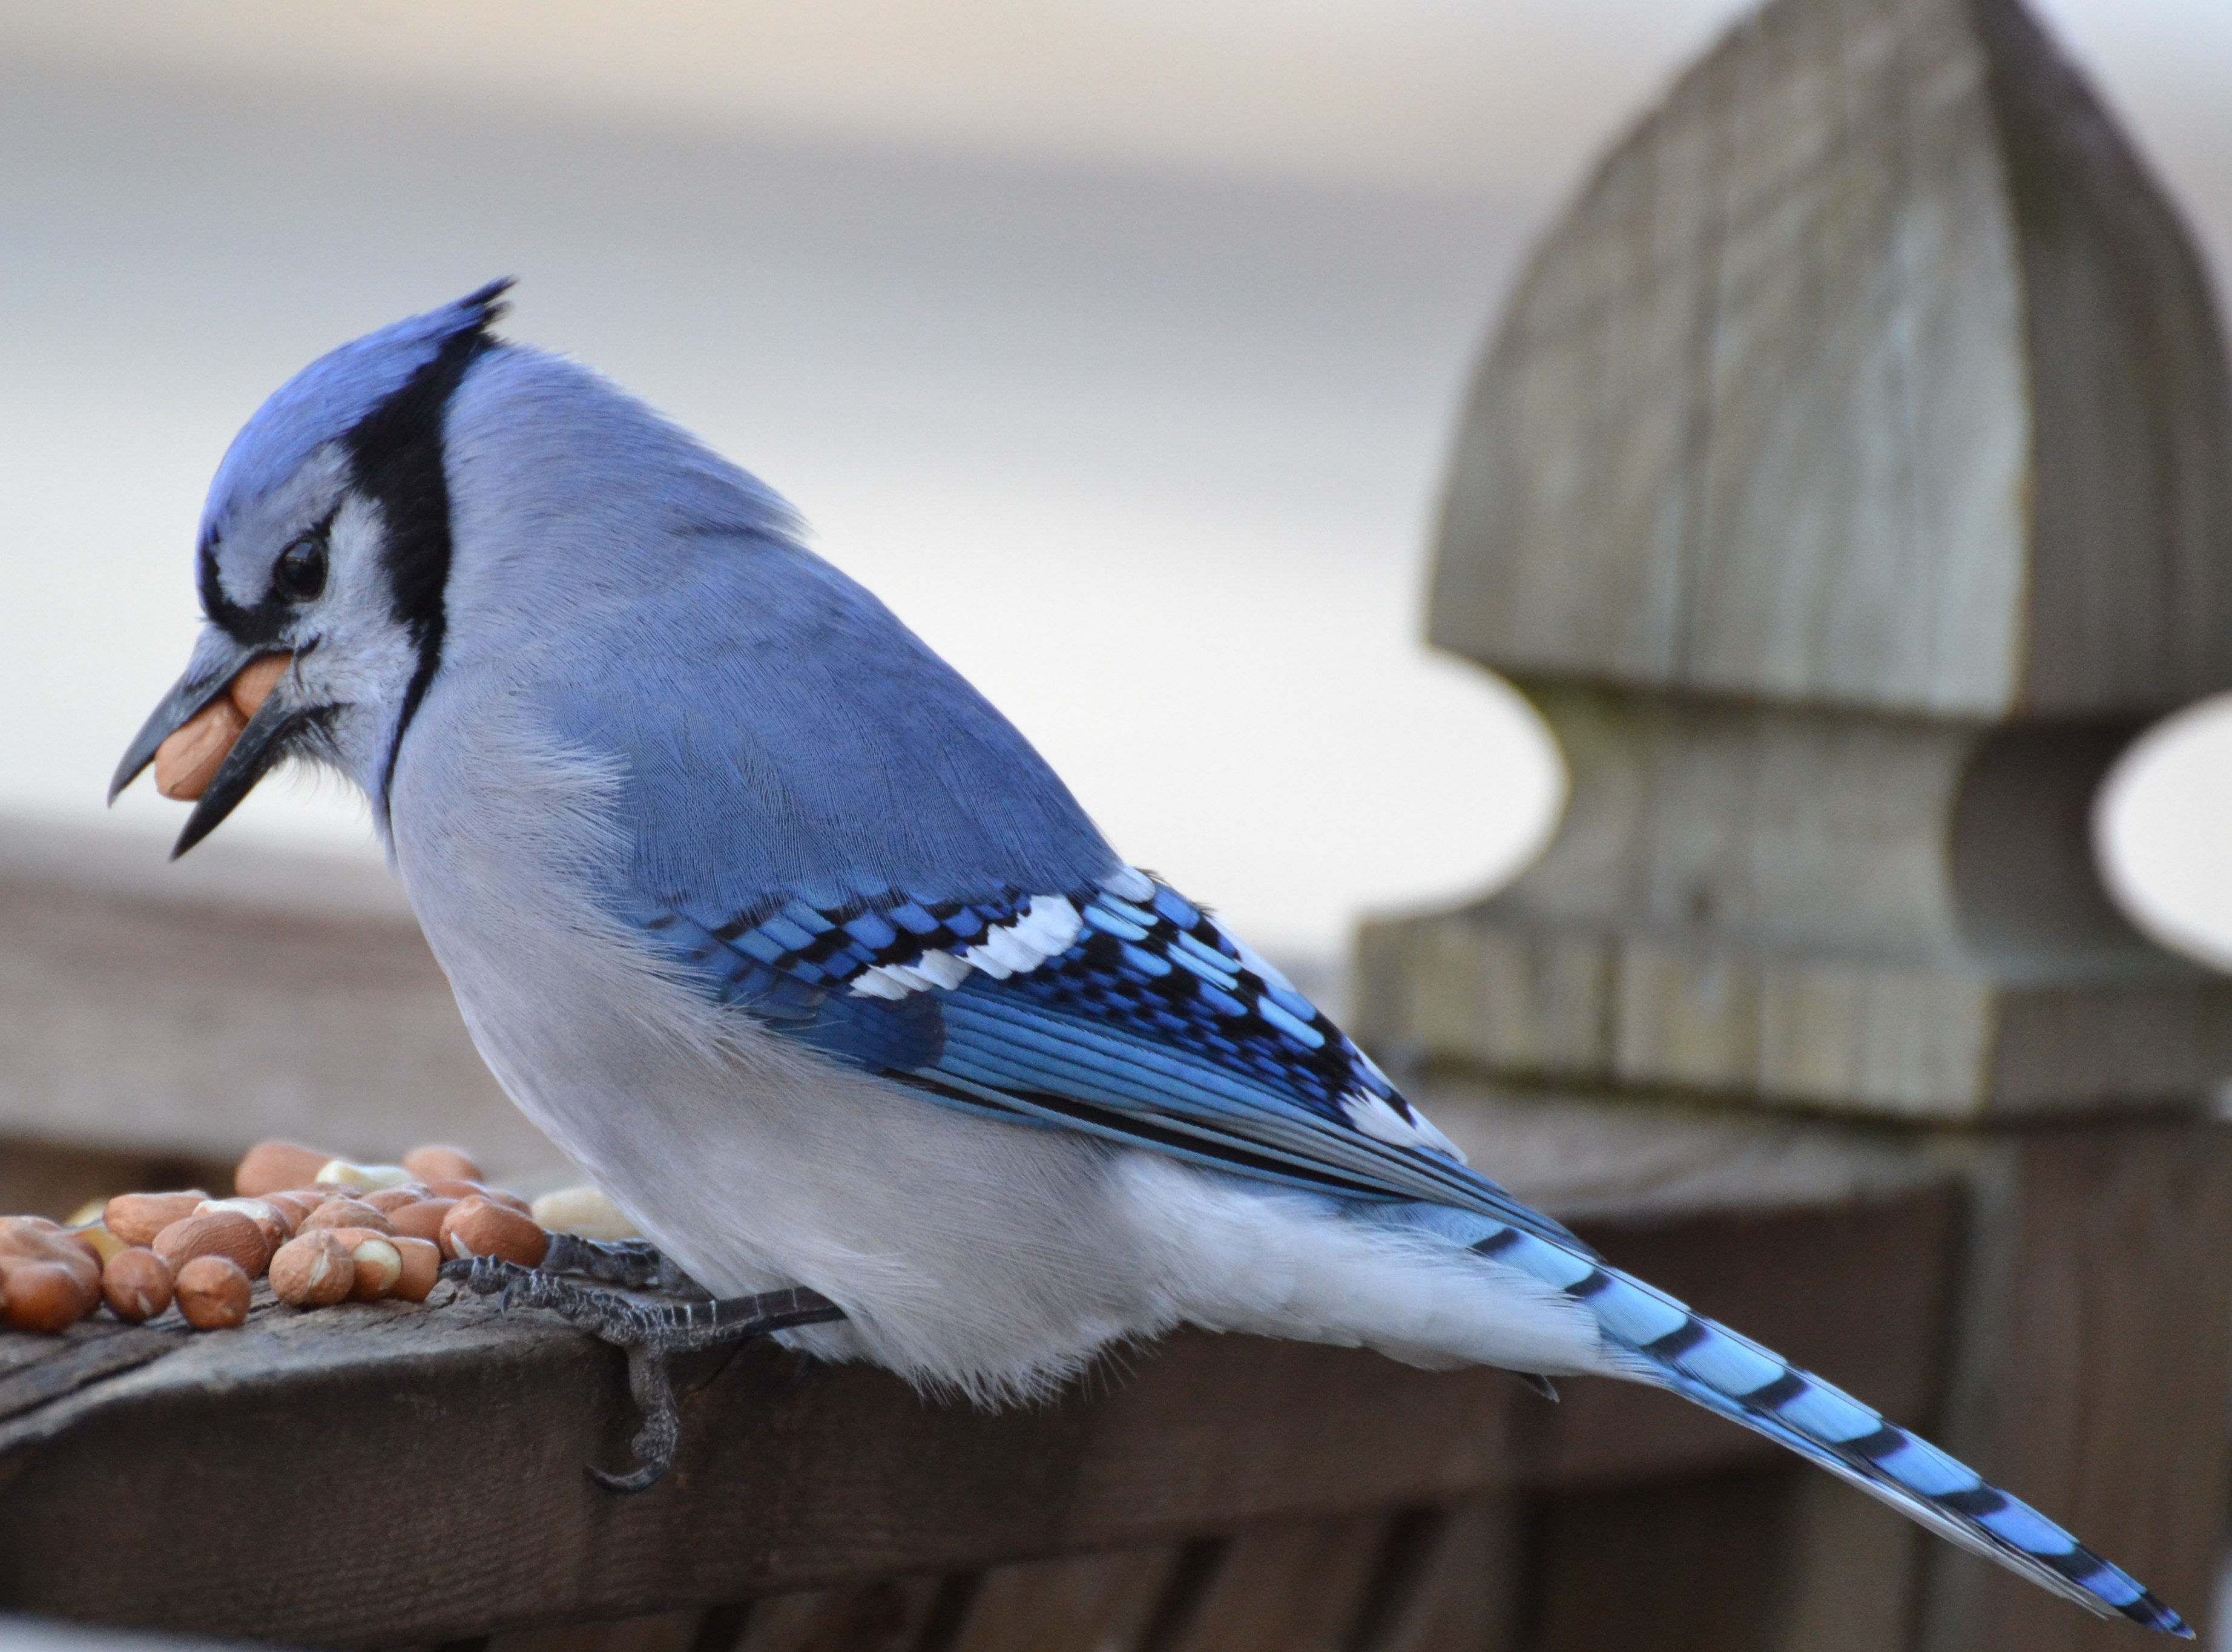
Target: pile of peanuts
[323, 1229]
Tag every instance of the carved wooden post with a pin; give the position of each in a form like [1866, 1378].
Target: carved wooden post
[1849, 481]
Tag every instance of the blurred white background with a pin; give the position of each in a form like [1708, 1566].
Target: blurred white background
[1114, 342]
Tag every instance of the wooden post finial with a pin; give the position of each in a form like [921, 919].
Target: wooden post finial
[1850, 478]
[1871, 369]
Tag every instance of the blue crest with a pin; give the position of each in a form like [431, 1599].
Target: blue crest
[328, 399]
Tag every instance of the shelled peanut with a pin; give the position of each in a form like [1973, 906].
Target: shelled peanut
[137, 1283]
[48, 1279]
[321, 1228]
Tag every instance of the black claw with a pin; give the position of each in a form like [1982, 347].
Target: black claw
[651, 1332]
[641, 1480]
[655, 1443]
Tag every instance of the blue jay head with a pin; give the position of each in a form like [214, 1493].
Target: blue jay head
[324, 547]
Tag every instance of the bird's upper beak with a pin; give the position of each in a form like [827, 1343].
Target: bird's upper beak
[219, 731]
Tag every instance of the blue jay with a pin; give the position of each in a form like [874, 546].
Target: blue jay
[783, 933]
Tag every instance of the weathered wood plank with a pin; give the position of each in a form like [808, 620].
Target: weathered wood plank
[184, 1012]
[1846, 486]
[1287, 1586]
[35, 1371]
[2093, 1369]
[462, 1437]
[887, 1614]
[1463, 1591]
[1091, 1602]
[1872, 367]
[1801, 906]
[1683, 1566]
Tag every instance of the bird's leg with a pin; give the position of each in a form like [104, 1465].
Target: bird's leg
[650, 1332]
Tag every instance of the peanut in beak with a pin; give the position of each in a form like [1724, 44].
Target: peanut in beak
[188, 760]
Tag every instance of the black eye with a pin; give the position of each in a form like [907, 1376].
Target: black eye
[300, 573]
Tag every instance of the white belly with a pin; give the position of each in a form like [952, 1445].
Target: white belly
[990, 1258]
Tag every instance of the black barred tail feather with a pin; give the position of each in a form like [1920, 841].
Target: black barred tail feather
[1661, 1342]
[1888, 1462]
[1122, 1010]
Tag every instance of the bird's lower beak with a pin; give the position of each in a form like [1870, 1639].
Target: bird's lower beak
[219, 731]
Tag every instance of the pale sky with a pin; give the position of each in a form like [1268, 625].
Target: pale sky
[1163, 304]
[1468, 92]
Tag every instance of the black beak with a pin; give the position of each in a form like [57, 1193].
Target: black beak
[260, 746]
[205, 680]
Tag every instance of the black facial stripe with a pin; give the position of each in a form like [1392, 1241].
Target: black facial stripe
[261, 624]
[254, 627]
[396, 460]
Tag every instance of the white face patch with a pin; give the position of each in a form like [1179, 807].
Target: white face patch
[1376, 1117]
[1045, 928]
[364, 657]
[351, 659]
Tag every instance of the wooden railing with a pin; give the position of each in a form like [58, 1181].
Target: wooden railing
[387, 1474]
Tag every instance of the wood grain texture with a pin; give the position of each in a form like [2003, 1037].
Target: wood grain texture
[1871, 369]
[886, 1615]
[1851, 1570]
[1813, 907]
[1461, 1590]
[468, 1434]
[1686, 1566]
[1287, 1586]
[2092, 1365]
[1089, 1603]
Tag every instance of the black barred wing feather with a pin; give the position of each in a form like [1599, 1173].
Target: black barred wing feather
[1122, 1010]
[1125, 1012]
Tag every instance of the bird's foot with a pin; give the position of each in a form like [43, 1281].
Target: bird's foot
[631, 1264]
[651, 1333]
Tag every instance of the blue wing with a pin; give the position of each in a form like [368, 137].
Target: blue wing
[1120, 1009]
[832, 831]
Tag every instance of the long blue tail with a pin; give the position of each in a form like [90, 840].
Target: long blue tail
[1673, 1348]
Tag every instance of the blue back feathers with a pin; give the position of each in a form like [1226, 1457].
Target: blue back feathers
[785, 738]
